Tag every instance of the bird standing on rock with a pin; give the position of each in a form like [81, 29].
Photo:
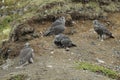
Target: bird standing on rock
[63, 41]
[26, 55]
[101, 30]
[57, 27]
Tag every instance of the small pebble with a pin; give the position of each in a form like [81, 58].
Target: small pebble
[49, 66]
[100, 61]
[69, 59]
[72, 53]
[52, 52]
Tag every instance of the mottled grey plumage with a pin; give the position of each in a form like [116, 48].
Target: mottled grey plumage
[58, 39]
[26, 54]
[63, 41]
[57, 27]
[59, 21]
[101, 30]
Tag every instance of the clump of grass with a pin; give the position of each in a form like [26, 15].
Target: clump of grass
[18, 77]
[100, 69]
[76, 0]
[95, 6]
[5, 27]
[5, 22]
[112, 7]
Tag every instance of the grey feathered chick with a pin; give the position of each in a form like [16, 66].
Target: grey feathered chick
[57, 40]
[57, 27]
[26, 55]
[101, 30]
[63, 41]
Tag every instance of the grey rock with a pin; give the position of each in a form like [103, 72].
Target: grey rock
[7, 64]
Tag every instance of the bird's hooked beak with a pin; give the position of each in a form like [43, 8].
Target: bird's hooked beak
[63, 18]
[95, 21]
[27, 44]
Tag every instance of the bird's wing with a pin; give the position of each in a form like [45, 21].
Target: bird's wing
[59, 37]
[48, 31]
[104, 29]
[24, 52]
[65, 40]
[56, 23]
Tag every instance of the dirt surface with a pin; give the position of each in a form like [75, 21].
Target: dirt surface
[52, 63]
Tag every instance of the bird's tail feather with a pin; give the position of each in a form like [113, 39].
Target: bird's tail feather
[73, 45]
[112, 36]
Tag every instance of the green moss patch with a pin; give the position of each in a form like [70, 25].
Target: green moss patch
[18, 77]
[98, 69]
[5, 27]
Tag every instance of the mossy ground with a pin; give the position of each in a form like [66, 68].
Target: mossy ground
[98, 69]
[18, 77]
[5, 28]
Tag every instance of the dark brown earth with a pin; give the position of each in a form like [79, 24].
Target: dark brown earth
[52, 63]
